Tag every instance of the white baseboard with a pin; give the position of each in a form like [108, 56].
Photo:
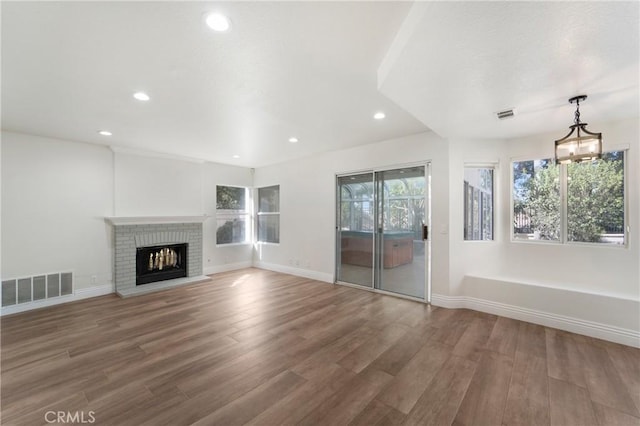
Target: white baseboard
[305, 273]
[79, 294]
[227, 267]
[588, 328]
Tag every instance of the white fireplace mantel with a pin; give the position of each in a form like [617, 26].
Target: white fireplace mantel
[149, 220]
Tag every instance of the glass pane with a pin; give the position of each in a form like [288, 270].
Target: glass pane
[487, 217]
[402, 255]
[478, 203]
[595, 200]
[269, 228]
[269, 199]
[536, 200]
[355, 229]
[231, 198]
[231, 230]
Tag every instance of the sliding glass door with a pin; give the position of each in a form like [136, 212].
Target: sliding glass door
[356, 225]
[380, 221]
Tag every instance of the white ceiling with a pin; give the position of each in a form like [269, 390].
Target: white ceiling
[457, 63]
[311, 70]
[303, 69]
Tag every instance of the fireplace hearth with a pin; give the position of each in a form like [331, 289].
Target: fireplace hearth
[160, 263]
[155, 233]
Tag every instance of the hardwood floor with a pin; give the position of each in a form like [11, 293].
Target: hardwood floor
[262, 348]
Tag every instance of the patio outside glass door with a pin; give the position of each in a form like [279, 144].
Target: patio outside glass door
[380, 223]
[402, 206]
[355, 229]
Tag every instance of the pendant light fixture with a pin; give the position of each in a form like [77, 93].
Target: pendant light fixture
[583, 146]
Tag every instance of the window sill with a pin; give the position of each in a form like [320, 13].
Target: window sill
[600, 245]
[538, 242]
[570, 244]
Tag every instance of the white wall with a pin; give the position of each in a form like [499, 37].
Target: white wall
[307, 204]
[55, 195]
[479, 257]
[222, 258]
[155, 186]
[160, 186]
[606, 270]
[591, 289]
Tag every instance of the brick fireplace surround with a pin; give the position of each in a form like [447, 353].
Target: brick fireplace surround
[133, 232]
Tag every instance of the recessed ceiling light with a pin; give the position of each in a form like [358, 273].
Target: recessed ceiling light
[293, 140]
[379, 115]
[141, 96]
[218, 22]
[105, 133]
[236, 156]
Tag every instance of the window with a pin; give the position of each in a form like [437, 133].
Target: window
[269, 214]
[478, 203]
[594, 209]
[232, 215]
[595, 200]
[536, 200]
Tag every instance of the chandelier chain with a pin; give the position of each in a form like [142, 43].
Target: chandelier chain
[577, 119]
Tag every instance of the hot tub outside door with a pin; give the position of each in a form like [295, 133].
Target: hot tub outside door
[379, 230]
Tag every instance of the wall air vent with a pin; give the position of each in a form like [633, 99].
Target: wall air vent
[30, 289]
[507, 113]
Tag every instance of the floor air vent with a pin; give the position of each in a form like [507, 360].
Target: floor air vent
[38, 287]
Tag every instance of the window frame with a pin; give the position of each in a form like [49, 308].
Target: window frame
[233, 214]
[564, 189]
[265, 214]
[493, 166]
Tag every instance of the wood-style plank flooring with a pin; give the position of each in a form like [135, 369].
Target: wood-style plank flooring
[263, 348]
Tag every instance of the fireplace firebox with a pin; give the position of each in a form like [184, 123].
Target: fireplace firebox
[160, 263]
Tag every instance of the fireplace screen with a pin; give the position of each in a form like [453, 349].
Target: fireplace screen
[159, 263]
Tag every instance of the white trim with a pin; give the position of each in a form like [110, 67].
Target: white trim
[495, 164]
[227, 267]
[151, 220]
[154, 154]
[79, 294]
[305, 273]
[589, 328]
[547, 285]
[617, 147]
